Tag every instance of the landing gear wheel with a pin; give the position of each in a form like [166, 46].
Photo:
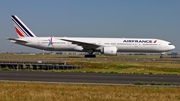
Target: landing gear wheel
[90, 56]
[161, 56]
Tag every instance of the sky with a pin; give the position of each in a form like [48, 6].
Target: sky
[158, 19]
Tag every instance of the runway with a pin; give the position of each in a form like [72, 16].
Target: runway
[99, 78]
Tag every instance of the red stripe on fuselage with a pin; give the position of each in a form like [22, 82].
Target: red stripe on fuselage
[19, 33]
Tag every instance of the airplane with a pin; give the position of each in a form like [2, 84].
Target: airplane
[106, 46]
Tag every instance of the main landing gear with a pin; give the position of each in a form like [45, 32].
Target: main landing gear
[90, 55]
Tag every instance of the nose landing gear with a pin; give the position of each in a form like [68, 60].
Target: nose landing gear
[161, 56]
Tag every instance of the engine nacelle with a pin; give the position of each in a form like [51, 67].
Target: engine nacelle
[109, 50]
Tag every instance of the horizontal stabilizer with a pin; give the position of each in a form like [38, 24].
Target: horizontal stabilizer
[17, 40]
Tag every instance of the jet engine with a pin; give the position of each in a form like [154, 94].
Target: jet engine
[109, 50]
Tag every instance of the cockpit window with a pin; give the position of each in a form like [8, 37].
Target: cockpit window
[169, 44]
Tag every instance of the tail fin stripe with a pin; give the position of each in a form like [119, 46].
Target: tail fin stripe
[18, 26]
[19, 33]
[16, 20]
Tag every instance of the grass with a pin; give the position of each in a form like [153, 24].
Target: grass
[62, 92]
[129, 64]
[157, 83]
[102, 64]
[132, 67]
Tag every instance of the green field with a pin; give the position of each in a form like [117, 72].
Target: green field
[129, 64]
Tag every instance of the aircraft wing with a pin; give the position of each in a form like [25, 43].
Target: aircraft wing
[85, 45]
[17, 40]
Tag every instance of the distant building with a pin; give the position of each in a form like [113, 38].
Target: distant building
[174, 55]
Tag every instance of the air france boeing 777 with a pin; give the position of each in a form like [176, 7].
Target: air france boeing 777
[106, 46]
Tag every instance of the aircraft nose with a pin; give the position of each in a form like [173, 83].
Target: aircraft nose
[173, 47]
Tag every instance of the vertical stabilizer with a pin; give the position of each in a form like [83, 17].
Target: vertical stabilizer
[21, 29]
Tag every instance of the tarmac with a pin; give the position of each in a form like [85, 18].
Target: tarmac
[95, 78]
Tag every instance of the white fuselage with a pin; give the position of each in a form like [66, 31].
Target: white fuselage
[107, 46]
[122, 44]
